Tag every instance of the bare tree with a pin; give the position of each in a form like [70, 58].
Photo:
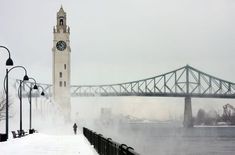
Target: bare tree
[2, 106]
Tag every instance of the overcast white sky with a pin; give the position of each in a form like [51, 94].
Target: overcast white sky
[124, 40]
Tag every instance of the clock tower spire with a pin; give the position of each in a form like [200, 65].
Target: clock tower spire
[61, 20]
[61, 64]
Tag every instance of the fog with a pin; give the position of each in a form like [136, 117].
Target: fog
[146, 138]
[122, 41]
[114, 42]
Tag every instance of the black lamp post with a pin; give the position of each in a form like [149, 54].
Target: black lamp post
[9, 62]
[30, 109]
[25, 78]
[20, 97]
[30, 103]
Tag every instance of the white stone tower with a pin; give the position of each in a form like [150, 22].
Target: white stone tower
[61, 65]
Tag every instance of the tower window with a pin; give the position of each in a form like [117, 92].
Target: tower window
[64, 66]
[61, 22]
[60, 74]
[64, 83]
[60, 83]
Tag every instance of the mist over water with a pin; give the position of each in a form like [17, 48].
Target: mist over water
[166, 137]
[162, 138]
[155, 139]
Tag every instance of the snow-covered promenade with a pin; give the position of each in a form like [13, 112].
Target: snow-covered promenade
[46, 144]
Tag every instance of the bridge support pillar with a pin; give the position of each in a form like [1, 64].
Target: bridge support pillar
[188, 118]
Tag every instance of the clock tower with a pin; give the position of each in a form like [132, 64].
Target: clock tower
[61, 64]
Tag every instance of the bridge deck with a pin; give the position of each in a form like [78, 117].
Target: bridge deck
[182, 82]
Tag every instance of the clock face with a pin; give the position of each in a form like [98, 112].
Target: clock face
[61, 45]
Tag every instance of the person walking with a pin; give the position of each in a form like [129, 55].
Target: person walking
[75, 128]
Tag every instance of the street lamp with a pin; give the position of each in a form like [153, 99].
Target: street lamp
[30, 102]
[20, 97]
[9, 62]
[42, 93]
[25, 78]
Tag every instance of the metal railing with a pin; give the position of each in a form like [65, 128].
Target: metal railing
[105, 146]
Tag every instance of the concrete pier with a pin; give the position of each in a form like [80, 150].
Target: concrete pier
[188, 119]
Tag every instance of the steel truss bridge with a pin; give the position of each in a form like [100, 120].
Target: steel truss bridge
[183, 82]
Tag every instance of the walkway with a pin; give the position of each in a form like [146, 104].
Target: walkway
[44, 144]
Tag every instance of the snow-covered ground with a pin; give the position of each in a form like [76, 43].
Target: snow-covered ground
[48, 144]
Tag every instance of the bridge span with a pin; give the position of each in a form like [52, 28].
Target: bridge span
[184, 82]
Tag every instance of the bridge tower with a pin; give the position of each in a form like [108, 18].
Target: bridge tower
[188, 118]
[61, 64]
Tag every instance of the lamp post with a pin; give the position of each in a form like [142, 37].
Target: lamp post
[20, 98]
[6, 90]
[42, 93]
[9, 62]
[30, 103]
[30, 109]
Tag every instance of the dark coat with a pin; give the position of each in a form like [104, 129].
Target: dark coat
[75, 126]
